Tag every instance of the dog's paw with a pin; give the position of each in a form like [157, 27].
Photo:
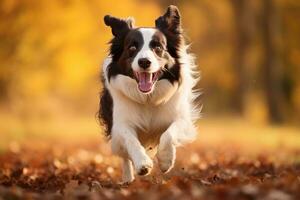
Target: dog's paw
[127, 178]
[144, 167]
[127, 181]
[166, 159]
[144, 170]
[166, 165]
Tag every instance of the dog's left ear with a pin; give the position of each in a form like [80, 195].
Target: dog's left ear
[119, 27]
[170, 22]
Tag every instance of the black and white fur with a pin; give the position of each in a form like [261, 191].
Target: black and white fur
[148, 97]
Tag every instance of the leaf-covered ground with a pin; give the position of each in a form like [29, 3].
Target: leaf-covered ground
[214, 167]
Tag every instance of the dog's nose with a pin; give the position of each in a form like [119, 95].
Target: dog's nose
[144, 63]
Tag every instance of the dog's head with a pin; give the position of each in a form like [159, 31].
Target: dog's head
[146, 54]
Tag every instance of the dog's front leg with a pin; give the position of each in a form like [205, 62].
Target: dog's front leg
[179, 132]
[127, 171]
[126, 144]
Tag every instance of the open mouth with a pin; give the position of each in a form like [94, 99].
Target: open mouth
[146, 80]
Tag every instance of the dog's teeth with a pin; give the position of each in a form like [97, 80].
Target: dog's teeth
[150, 77]
[154, 76]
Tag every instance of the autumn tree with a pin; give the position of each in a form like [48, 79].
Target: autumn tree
[242, 15]
[271, 64]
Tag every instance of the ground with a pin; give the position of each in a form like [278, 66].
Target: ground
[229, 160]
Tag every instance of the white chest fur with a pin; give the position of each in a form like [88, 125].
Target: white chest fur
[149, 115]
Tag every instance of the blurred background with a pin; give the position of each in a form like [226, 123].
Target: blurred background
[51, 52]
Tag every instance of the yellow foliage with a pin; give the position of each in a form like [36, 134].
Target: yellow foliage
[54, 49]
[61, 45]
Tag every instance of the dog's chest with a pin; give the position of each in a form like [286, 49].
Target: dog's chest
[155, 118]
[148, 115]
[153, 121]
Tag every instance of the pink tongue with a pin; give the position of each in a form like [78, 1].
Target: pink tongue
[145, 81]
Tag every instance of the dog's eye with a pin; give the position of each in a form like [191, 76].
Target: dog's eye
[158, 48]
[132, 48]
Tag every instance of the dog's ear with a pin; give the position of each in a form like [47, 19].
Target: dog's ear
[170, 22]
[119, 27]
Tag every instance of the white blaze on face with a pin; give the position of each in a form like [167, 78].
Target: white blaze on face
[146, 78]
[146, 51]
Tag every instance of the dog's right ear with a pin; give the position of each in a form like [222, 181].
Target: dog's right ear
[170, 22]
[119, 27]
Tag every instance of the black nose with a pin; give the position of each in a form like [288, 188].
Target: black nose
[144, 63]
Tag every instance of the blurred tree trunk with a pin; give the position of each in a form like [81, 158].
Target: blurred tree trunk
[271, 64]
[241, 13]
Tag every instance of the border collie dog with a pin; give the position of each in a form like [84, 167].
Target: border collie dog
[147, 101]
